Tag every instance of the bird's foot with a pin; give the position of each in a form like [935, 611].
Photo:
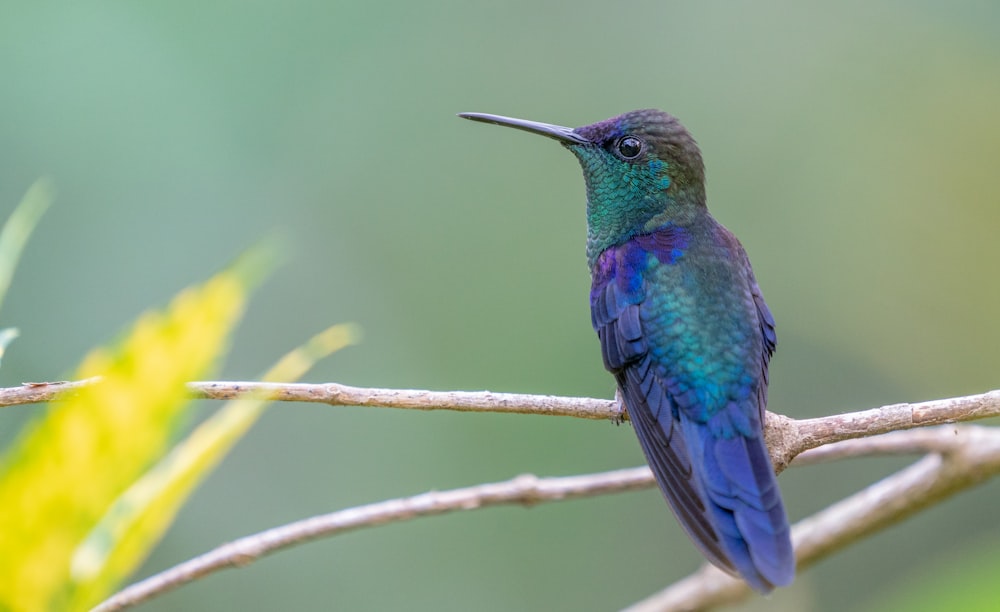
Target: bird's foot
[620, 413]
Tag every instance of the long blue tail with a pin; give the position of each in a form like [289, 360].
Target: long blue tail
[743, 502]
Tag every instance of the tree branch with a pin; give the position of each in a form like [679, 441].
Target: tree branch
[787, 438]
[961, 457]
[336, 394]
[525, 490]
[790, 435]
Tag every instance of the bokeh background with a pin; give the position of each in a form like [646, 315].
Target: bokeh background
[854, 148]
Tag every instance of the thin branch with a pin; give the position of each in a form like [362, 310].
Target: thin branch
[791, 436]
[524, 490]
[336, 394]
[963, 457]
[815, 537]
[824, 430]
[37, 392]
[786, 437]
[912, 442]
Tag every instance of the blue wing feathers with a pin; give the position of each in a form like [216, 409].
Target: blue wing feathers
[745, 505]
[669, 461]
[712, 465]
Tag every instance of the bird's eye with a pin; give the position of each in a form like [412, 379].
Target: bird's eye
[629, 147]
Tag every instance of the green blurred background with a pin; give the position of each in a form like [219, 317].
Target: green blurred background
[853, 148]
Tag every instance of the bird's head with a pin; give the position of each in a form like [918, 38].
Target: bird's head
[643, 171]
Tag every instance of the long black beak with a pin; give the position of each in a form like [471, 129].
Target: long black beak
[564, 135]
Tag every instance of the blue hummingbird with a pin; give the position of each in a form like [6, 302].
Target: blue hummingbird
[686, 333]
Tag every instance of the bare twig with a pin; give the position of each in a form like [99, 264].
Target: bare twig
[36, 392]
[336, 394]
[792, 436]
[824, 430]
[913, 442]
[950, 468]
[971, 455]
[524, 490]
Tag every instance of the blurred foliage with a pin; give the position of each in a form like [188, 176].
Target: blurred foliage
[139, 516]
[853, 147]
[18, 228]
[61, 475]
[89, 488]
[963, 579]
[13, 236]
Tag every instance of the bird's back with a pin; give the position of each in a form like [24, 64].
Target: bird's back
[688, 337]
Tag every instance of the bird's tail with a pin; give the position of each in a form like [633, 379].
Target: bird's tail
[743, 502]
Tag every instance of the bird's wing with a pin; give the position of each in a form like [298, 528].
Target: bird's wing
[767, 332]
[615, 314]
[711, 464]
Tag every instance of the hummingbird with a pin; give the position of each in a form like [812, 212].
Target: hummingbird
[686, 333]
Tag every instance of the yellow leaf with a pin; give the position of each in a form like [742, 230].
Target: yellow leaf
[63, 473]
[142, 514]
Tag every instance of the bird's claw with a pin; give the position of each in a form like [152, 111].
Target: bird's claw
[620, 414]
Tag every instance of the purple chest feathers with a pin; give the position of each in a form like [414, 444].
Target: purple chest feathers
[624, 264]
